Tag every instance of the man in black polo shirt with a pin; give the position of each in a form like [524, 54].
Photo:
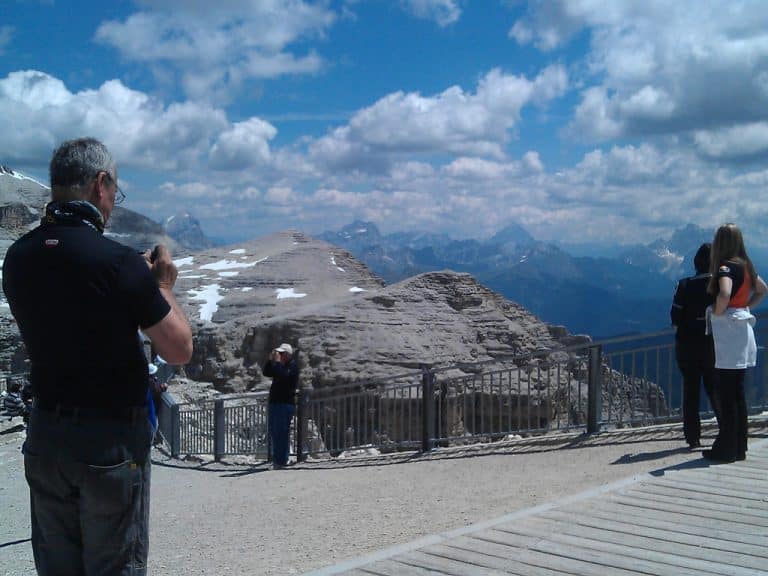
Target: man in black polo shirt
[79, 299]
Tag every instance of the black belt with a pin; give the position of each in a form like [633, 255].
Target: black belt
[131, 413]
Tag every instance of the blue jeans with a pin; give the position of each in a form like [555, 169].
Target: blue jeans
[280, 416]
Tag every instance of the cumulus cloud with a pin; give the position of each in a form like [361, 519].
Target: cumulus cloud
[242, 145]
[215, 47]
[39, 111]
[657, 68]
[454, 121]
[443, 12]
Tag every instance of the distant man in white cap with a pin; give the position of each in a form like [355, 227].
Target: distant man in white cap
[284, 371]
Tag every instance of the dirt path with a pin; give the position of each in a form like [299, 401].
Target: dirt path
[240, 519]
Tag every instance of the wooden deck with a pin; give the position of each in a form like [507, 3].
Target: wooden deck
[696, 519]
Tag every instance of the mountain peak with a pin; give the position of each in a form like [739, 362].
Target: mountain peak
[186, 230]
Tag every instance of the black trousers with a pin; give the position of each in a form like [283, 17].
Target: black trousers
[696, 360]
[731, 441]
[89, 495]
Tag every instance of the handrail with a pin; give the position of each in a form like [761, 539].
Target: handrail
[629, 380]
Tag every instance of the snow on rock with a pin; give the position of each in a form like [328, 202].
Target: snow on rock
[229, 264]
[283, 293]
[228, 274]
[211, 297]
[333, 262]
[184, 261]
[246, 289]
[237, 251]
[355, 289]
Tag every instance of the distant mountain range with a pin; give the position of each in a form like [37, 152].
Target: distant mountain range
[604, 296]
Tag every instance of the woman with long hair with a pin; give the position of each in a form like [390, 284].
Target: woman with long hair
[737, 288]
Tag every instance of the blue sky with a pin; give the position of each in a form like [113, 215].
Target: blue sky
[583, 121]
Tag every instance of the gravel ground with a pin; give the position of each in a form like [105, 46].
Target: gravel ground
[236, 518]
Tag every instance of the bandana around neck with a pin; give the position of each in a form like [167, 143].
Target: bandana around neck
[74, 212]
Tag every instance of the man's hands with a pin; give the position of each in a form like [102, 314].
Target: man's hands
[162, 267]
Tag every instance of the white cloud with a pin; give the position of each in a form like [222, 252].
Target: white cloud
[242, 145]
[443, 12]
[735, 141]
[658, 68]
[216, 46]
[454, 121]
[39, 112]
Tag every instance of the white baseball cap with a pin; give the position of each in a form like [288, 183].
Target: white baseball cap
[287, 348]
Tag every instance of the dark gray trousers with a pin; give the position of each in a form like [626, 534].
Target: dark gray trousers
[89, 495]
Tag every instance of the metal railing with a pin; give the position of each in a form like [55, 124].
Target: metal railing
[620, 382]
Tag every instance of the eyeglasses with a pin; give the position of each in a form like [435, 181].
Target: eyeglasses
[119, 194]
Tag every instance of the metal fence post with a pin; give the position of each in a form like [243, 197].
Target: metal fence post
[427, 404]
[219, 429]
[175, 439]
[302, 415]
[594, 388]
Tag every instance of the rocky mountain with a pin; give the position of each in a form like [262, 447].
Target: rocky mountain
[344, 322]
[185, 229]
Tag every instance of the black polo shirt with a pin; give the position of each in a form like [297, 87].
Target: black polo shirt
[79, 299]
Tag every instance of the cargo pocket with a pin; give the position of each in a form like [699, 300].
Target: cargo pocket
[111, 489]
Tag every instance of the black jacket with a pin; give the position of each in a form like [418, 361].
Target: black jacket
[285, 380]
[689, 306]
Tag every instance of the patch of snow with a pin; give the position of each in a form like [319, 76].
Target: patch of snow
[671, 259]
[116, 234]
[4, 304]
[20, 176]
[184, 261]
[228, 264]
[211, 297]
[228, 274]
[362, 451]
[333, 263]
[361, 230]
[283, 293]
[356, 289]
[237, 251]
[193, 276]
[246, 289]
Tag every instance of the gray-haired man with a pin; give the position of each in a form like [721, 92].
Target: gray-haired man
[79, 299]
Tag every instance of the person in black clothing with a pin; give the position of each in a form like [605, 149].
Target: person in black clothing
[282, 367]
[79, 299]
[694, 349]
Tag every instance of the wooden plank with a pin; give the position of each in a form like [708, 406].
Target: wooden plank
[708, 482]
[705, 537]
[656, 548]
[613, 560]
[506, 565]
[501, 551]
[445, 565]
[736, 531]
[709, 494]
[749, 514]
[393, 568]
[554, 561]
[684, 510]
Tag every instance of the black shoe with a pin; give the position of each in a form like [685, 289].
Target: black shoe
[741, 456]
[714, 457]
